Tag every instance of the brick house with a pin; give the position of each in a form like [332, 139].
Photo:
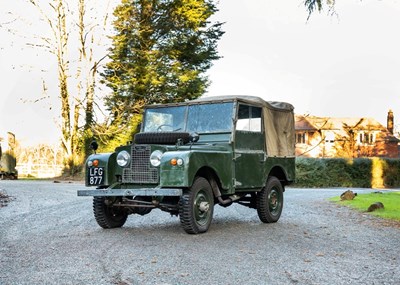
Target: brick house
[345, 137]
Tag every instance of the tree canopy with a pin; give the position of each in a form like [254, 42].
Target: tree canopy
[160, 53]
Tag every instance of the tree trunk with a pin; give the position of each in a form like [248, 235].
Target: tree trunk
[62, 38]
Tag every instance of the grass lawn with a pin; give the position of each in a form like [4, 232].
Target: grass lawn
[390, 200]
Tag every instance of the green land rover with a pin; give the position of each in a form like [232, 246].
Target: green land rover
[190, 156]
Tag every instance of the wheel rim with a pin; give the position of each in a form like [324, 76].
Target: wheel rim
[202, 208]
[274, 201]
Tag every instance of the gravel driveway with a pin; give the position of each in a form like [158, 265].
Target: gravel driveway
[48, 235]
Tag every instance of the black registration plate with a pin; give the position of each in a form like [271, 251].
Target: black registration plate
[96, 175]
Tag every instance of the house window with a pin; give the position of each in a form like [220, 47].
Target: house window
[301, 138]
[367, 138]
[329, 137]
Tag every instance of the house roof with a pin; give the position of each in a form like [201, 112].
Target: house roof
[331, 123]
[314, 123]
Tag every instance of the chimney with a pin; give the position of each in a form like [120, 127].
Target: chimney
[390, 121]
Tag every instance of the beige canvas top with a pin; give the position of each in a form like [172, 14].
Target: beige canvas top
[254, 100]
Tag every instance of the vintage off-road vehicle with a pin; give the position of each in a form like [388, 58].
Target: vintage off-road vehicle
[190, 156]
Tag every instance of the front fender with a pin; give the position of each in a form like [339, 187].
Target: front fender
[193, 161]
[106, 161]
[174, 175]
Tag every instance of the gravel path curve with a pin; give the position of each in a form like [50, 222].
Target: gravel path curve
[48, 235]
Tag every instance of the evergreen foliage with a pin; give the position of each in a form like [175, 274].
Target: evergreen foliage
[160, 53]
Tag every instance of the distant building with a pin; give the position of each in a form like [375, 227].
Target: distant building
[345, 137]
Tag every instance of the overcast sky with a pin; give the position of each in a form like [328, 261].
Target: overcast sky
[345, 65]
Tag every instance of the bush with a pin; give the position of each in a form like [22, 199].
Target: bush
[392, 173]
[341, 172]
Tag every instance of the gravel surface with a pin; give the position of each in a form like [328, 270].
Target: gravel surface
[48, 235]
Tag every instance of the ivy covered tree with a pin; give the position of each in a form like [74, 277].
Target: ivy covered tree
[160, 53]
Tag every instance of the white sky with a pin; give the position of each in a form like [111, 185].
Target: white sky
[344, 66]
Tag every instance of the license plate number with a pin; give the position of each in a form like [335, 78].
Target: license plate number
[95, 175]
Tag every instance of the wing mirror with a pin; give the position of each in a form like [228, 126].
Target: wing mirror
[94, 146]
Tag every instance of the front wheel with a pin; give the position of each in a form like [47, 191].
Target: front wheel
[196, 207]
[106, 215]
[270, 201]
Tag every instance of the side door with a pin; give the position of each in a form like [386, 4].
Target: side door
[249, 155]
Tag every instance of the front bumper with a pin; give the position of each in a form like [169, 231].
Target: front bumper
[109, 192]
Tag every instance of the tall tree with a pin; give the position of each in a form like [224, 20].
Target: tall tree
[160, 53]
[58, 45]
[77, 102]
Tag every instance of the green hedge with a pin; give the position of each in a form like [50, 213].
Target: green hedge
[341, 172]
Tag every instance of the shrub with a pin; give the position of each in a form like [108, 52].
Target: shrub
[341, 172]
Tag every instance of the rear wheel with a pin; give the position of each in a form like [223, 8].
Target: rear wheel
[106, 215]
[270, 201]
[196, 207]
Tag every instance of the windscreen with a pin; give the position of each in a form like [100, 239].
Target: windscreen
[210, 118]
[200, 118]
[168, 119]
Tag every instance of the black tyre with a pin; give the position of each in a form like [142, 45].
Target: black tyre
[161, 137]
[196, 207]
[107, 216]
[270, 201]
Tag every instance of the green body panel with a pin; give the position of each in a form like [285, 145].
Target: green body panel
[249, 160]
[236, 171]
[249, 141]
[174, 176]
[108, 162]
[218, 161]
[281, 167]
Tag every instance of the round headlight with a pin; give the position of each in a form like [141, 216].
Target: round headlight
[123, 158]
[155, 158]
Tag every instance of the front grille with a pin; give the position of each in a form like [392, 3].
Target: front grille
[140, 171]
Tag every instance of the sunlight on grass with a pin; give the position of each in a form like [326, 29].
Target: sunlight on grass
[391, 201]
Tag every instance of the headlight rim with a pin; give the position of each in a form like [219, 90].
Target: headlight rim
[155, 158]
[126, 158]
